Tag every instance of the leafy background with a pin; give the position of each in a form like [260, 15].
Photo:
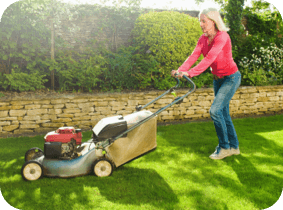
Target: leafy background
[160, 41]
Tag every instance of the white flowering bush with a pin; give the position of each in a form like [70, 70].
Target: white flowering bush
[264, 68]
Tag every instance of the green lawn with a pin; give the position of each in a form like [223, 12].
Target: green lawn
[177, 175]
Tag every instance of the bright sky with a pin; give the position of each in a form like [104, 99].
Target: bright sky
[168, 4]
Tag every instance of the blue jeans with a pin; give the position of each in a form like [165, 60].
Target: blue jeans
[224, 90]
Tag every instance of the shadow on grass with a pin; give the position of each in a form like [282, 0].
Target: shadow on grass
[138, 186]
[254, 182]
[127, 185]
[262, 188]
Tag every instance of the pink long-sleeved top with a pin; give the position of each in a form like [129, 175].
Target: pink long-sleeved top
[217, 55]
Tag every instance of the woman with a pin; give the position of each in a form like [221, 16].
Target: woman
[215, 45]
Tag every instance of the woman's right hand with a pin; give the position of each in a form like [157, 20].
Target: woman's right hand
[173, 72]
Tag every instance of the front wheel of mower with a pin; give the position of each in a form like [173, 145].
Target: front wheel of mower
[102, 167]
[32, 171]
[33, 153]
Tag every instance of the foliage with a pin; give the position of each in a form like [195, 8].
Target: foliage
[233, 15]
[129, 70]
[259, 5]
[50, 11]
[170, 37]
[264, 68]
[120, 73]
[146, 70]
[161, 42]
[112, 19]
[20, 81]
[265, 23]
[24, 44]
[247, 45]
[20, 42]
[263, 27]
[76, 71]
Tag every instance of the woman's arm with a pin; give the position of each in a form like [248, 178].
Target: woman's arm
[192, 58]
[219, 43]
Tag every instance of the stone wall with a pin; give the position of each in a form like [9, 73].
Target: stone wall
[34, 114]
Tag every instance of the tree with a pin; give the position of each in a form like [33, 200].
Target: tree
[20, 40]
[53, 11]
[120, 14]
[234, 11]
[259, 5]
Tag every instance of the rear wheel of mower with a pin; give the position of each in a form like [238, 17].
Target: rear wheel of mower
[33, 153]
[102, 167]
[31, 171]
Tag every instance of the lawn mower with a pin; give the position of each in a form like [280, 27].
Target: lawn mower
[115, 141]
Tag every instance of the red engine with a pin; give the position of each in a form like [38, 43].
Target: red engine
[62, 143]
[64, 135]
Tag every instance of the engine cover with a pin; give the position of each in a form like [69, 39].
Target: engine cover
[113, 126]
[109, 127]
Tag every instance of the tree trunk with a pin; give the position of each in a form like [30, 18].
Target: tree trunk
[114, 39]
[116, 36]
[52, 54]
[278, 28]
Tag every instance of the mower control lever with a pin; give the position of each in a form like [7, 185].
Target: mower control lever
[138, 108]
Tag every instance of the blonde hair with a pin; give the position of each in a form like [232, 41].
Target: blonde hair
[214, 15]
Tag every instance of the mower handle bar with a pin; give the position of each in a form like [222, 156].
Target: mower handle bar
[178, 99]
[171, 90]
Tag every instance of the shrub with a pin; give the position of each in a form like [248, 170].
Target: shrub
[170, 37]
[128, 70]
[20, 81]
[248, 44]
[78, 75]
[23, 48]
[22, 43]
[119, 74]
[146, 68]
[266, 23]
[264, 68]
[263, 29]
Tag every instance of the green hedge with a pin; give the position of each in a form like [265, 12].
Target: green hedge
[168, 36]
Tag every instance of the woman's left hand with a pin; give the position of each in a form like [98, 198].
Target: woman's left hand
[181, 74]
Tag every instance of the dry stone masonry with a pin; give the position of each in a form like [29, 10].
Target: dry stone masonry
[41, 114]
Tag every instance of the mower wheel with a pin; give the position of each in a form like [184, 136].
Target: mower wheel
[32, 170]
[33, 153]
[102, 167]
